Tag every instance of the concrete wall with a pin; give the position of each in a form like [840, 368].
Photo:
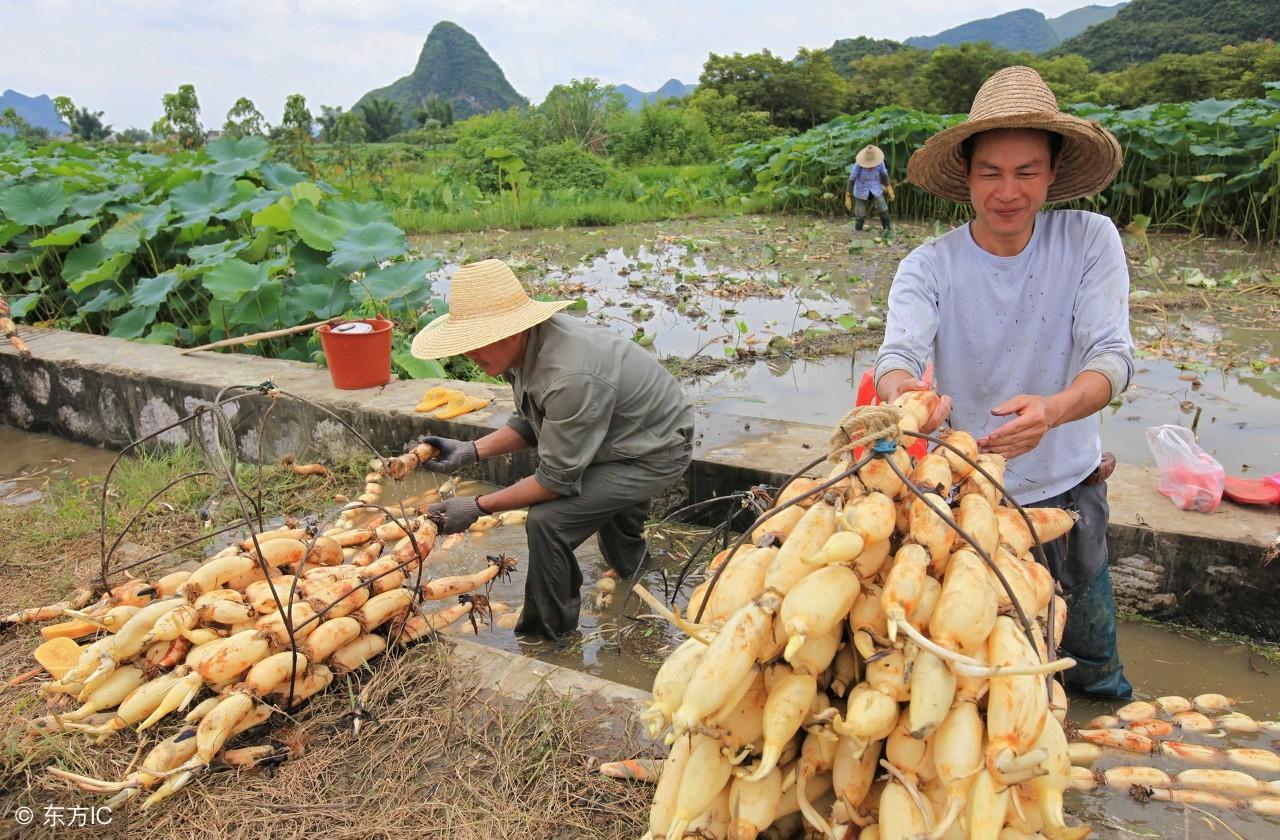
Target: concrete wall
[1211, 570]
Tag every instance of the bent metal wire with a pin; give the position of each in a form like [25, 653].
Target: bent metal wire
[881, 449]
[218, 444]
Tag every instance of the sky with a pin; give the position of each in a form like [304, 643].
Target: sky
[121, 56]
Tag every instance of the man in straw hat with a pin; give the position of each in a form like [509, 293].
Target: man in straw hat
[868, 181]
[1024, 314]
[611, 427]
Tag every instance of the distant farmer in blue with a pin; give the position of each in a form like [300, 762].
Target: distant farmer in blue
[868, 181]
[1024, 314]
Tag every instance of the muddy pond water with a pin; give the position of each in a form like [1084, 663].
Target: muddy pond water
[780, 316]
[613, 644]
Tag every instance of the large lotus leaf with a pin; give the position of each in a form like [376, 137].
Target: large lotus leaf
[402, 286]
[259, 246]
[233, 279]
[109, 299]
[148, 161]
[418, 368]
[90, 264]
[68, 234]
[151, 291]
[41, 203]
[162, 332]
[307, 190]
[135, 227]
[208, 256]
[9, 229]
[358, 212]
[1210, 110]
[89, 204]
[200, 199]
[278, 214]
[315, 228]
[280, 176]
[365, 246]
[259, 309]
[20, 307]
[307, 300]
[252, 204]
[236, 156]
[134, 322]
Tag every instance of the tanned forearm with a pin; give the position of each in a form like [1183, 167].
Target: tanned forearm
[500, 442]
[524, 493]
[890, 384]
[1087, 394]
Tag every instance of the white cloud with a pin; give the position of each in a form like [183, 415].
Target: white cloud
[121, 56]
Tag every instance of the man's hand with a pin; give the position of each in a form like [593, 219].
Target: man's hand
[459, 513]
[452, 456]
[902, 382]
[1023, 433]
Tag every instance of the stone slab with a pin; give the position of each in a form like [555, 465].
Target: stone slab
[1213, 569]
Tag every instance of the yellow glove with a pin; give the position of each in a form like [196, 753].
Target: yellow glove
[848, 201]
[888, 191]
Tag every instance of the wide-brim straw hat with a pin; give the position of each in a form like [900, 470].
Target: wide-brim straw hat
[486, 304]
[870, 157]
[1016, 97]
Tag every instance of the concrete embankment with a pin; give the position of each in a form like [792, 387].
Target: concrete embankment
[1210, 570]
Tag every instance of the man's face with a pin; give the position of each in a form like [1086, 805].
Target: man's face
[499, 356]
[1009, 178]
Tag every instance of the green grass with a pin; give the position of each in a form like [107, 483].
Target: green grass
[57, 536]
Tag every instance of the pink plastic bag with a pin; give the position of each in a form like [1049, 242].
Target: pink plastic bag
[1189, 476]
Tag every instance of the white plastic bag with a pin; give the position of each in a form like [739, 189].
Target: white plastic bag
[1189, 476]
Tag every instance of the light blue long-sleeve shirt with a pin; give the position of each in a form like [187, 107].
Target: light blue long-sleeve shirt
[996, 327]
[864, 182]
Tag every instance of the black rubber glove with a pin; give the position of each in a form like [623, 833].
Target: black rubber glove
[452, 456]
[460, 513]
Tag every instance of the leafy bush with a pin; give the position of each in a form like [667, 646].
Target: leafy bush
[192, 247]
[663, 133]
[1211, 165]
[568, 165]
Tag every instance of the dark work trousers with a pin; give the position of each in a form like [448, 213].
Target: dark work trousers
[1079, 561]
[860, 211]
[614, 504]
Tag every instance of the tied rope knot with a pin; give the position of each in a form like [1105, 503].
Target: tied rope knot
[863, 426]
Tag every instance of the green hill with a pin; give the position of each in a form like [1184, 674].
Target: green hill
[847, 50]
[454, 67]
[1022, 29]
[37, 110]
[1145, 29]
[1074, 22]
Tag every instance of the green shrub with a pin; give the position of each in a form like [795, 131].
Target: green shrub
[567, 165]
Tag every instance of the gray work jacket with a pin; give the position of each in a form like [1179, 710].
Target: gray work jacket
[585, 395]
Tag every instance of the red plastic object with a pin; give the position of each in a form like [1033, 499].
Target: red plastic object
[1253, 491]
[358, 360]
[867, 396]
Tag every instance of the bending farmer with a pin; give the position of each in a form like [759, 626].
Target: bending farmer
[610, 425]
[868, 180]
[1025, 315]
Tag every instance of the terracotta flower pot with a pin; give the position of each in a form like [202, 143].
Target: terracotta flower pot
[358, 360]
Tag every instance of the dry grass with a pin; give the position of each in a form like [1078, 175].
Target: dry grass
[444, 757]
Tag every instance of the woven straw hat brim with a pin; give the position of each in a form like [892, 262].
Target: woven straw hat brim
[1089, 161]
[869, 158]
[446, 336]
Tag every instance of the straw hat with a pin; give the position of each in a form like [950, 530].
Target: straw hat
[486, 304]
[1016, 97]
[870, 157]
